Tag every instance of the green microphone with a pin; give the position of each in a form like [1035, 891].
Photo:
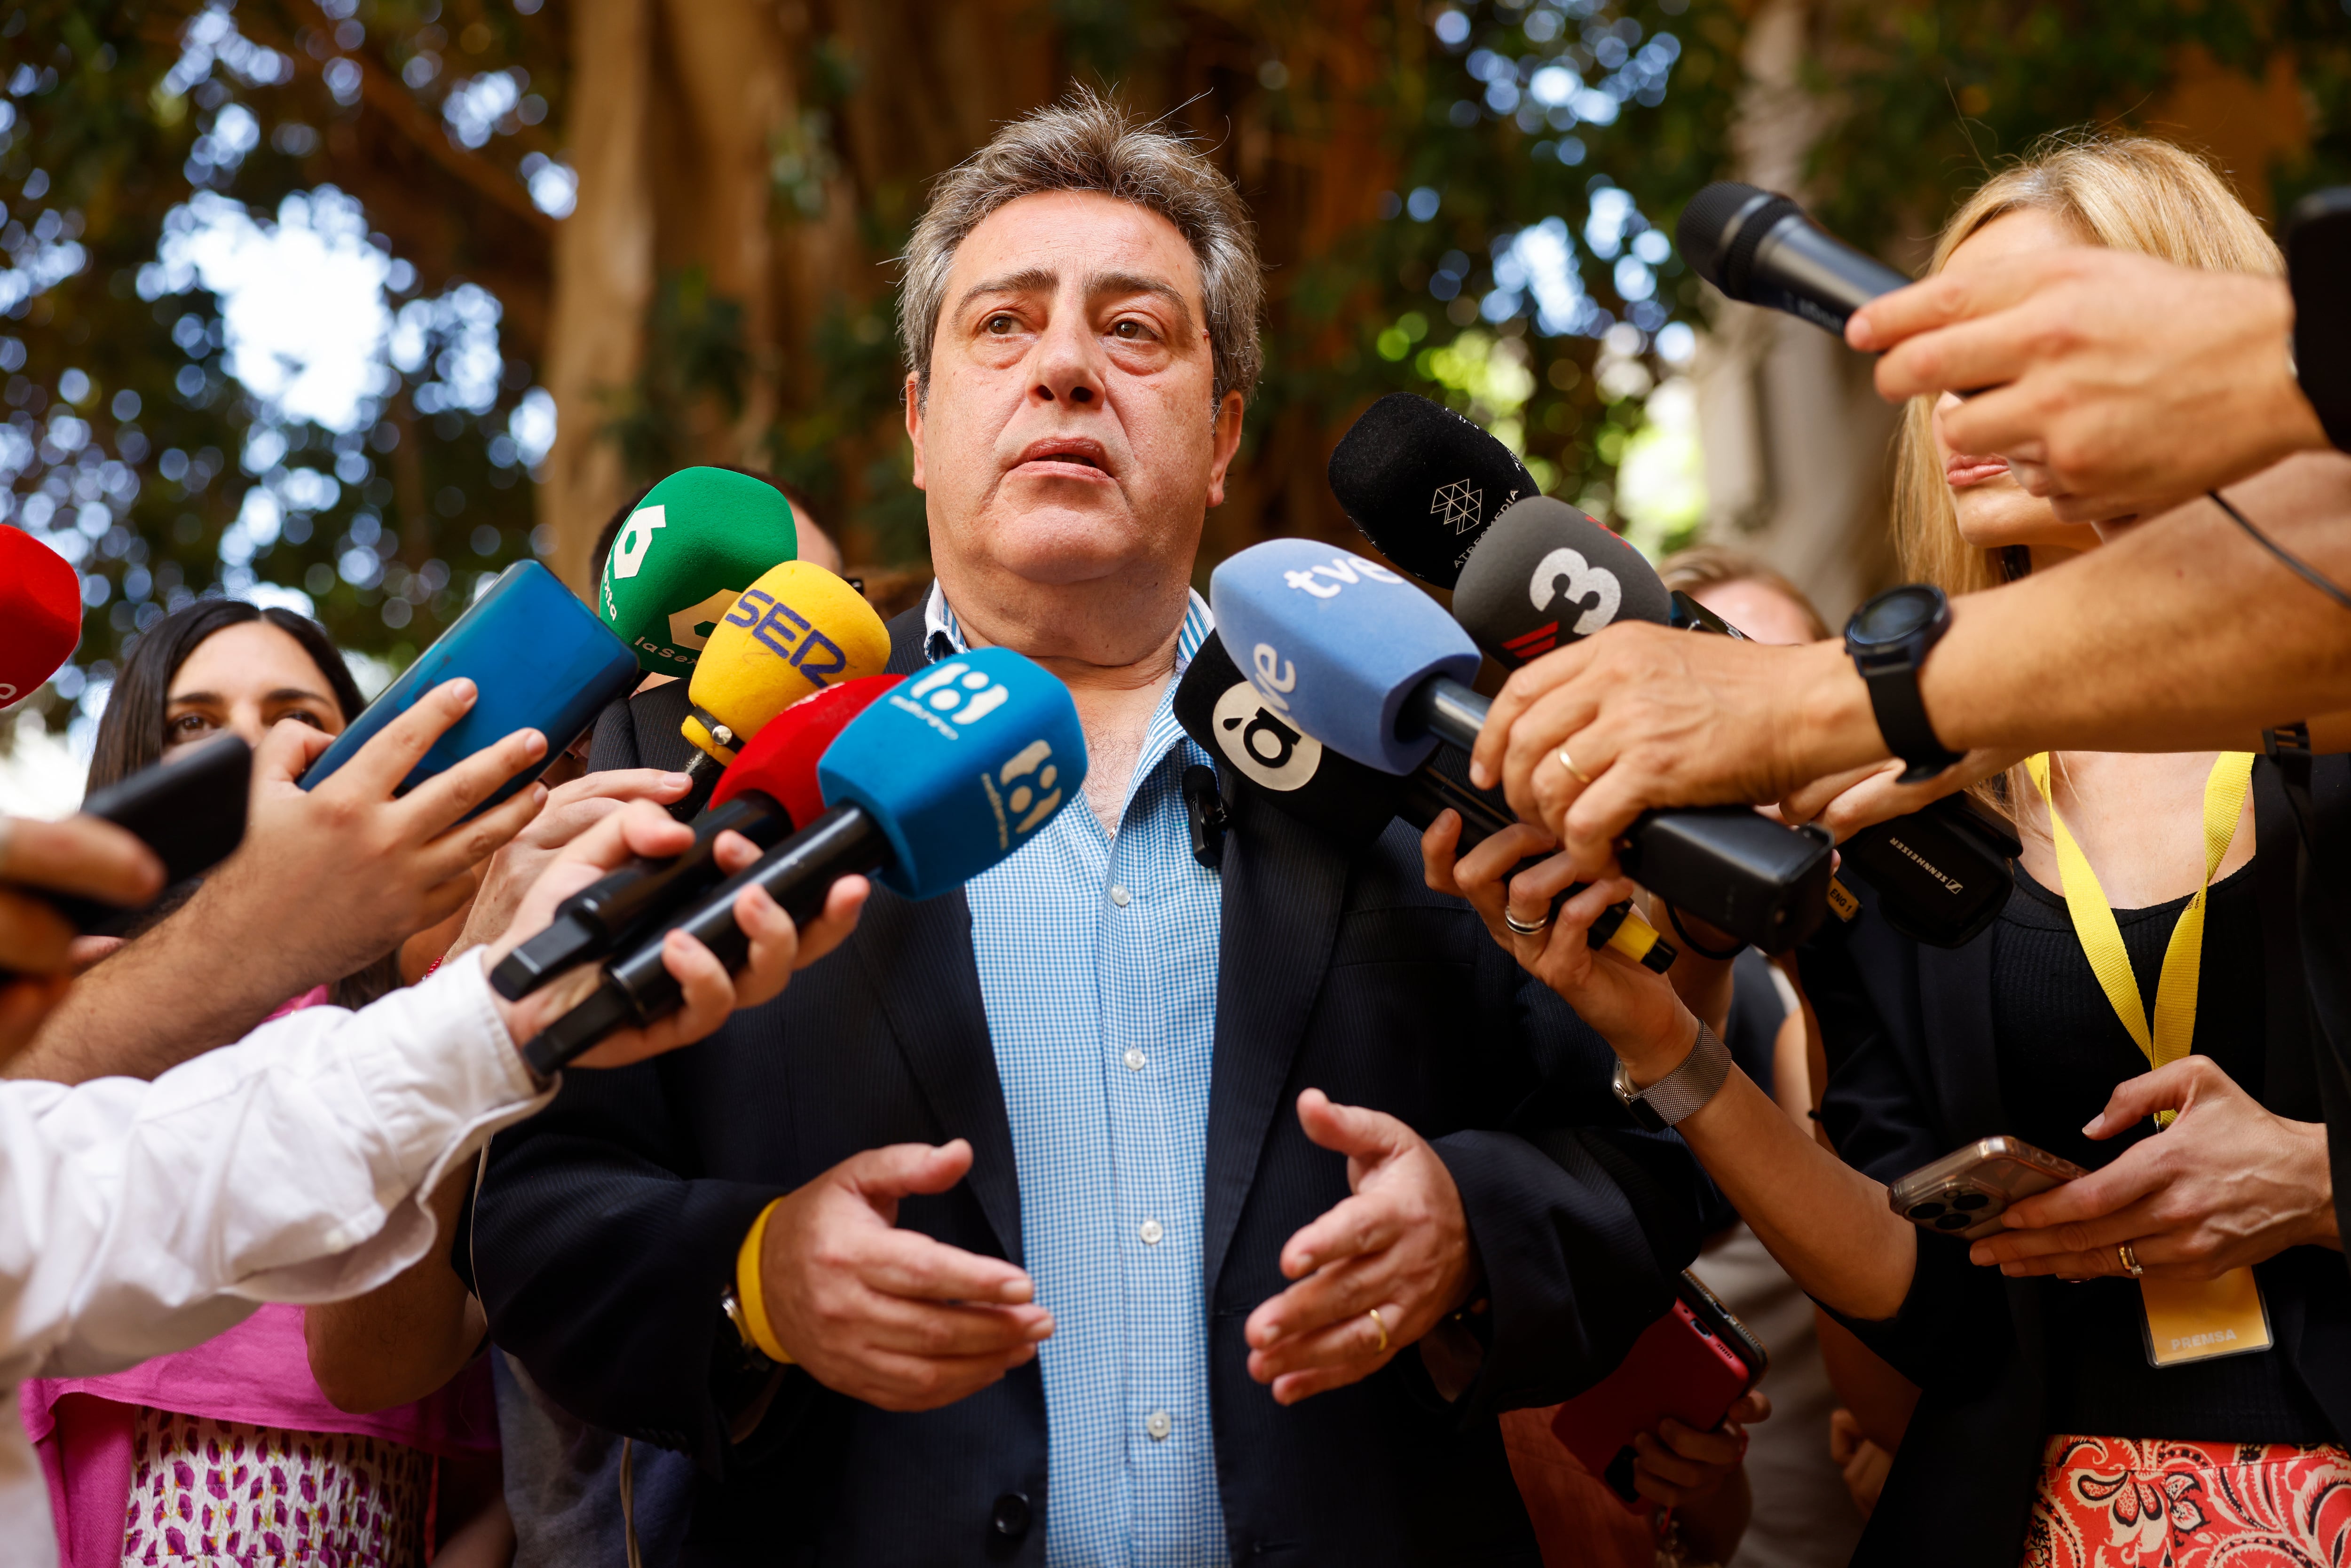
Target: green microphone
[695, 542]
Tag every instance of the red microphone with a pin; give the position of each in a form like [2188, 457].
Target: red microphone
[767, 791]
[40, 613]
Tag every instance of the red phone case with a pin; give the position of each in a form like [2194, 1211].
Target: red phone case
[1677, 1367]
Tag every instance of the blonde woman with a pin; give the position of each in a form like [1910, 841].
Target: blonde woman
[2045, 1433]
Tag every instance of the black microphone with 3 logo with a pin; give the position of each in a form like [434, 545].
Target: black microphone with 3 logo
[1539, 574]
[1272, 762]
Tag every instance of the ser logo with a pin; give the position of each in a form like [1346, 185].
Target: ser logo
[1034, 783]
[1257, 742]
[786, 632]
[1564, 579]
[1343, 570]
[951, 695]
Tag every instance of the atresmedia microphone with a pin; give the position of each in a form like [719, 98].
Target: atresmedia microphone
[40, 613]
[770, 790]
[1546, 575]
[1352, 654]
[1335, 795]
[1759, 247]
[692, 545]
[1422, 482]
[947, 774]
[797, 629]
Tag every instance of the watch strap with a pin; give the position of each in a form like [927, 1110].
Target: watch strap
[1902, 719]
[1681, 1093]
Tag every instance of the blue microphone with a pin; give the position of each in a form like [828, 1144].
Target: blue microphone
[950, 772]
[540, 660]
[1373, 669]
[1345, 649]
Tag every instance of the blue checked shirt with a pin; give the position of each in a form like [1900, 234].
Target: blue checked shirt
[1097, 962]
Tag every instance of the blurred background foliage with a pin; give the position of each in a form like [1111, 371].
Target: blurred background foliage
[346, 303]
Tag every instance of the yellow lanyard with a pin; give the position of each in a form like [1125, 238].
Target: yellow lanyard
[2102, 939]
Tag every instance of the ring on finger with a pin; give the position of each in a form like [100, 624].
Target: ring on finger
[1569, 763]
[1380, 1323]
[2129, 1260]
[1525, 928]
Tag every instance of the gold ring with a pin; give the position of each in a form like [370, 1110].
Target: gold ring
[1377, 1322]
[1569, 763]
[2129, 1260]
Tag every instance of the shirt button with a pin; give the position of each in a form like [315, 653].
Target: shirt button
[1135, 1059]
[1150, 1232]
[1158, 1424]
[1120, 896]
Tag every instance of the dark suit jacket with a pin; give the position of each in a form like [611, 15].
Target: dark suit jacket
[609, 1225]
[1913, 1075]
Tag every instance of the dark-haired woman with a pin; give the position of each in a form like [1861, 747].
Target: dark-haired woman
[230, 1451]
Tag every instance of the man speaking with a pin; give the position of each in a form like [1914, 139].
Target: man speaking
[1123, 1208]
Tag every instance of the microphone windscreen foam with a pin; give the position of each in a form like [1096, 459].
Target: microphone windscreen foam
[1275, 761]
[797, 629]
[697, 539]
[961, 765]
[1335, 643]
[40, 613]
[1544, 575]
[781, 760]
[1422, 482]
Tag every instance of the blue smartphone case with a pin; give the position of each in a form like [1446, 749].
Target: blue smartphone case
[541, 660]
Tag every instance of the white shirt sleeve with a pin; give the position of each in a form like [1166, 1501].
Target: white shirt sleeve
[294, 1166]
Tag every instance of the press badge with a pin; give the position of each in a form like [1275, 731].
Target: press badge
[2182, 1320]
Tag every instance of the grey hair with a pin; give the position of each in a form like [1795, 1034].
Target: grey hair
[1087, 142]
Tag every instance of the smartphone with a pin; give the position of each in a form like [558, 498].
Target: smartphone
[1942, 874]
[2317, 260]
[1692, 1365]
[541, 661]
[189, 809]
[1964, 1193]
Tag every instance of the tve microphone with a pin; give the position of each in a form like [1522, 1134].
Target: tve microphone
[797, 629]
[1759, 247]
[539, 658]
[1351, 804]
[770, 790]
[1372, 668]
[949, 773]
[1546, 574]
[697, 539]
[40, 613]
[1422, 482]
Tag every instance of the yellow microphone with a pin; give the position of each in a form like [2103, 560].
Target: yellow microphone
[795, 632]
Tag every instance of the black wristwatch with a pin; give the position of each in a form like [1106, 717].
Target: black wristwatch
[1888, 638]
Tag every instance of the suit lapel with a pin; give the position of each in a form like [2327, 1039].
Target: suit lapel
[1954, 1021]
[1283, 891]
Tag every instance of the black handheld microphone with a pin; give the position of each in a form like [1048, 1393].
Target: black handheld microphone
[1351, 804]
[1422, 482]
[1761, 249]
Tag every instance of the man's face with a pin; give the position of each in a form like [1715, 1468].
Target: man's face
[1072, 430]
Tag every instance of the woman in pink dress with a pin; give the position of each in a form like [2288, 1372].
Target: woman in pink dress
[231, 1453]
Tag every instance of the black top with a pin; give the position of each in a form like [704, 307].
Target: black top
[2060, 1052]
[1918, 1066]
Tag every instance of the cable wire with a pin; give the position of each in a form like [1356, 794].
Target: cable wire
[2301, 569]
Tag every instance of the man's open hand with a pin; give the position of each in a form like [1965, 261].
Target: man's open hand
[890, 1316]
[1400, 1246]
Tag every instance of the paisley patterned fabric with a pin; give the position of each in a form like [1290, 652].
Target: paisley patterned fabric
[2117, 1502]
[221, 1494]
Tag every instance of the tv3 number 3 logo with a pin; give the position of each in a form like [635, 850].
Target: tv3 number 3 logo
[777, 627]
[1026, 787]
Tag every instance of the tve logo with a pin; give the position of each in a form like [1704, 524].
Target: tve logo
[1034, 785]
[1344, 569]
[952, 694]
[1277, 755]
[786, 633]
